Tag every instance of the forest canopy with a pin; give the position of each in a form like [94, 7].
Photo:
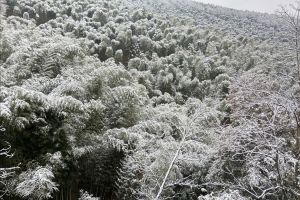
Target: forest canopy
[111, 100]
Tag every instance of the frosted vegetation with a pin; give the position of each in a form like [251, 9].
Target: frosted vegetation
[109, 100]
[248, 23]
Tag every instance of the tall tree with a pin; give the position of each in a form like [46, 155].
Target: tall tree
[291, 16]
[169, 151]
[259, 152]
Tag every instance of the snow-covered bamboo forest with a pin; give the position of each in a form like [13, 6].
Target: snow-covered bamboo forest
[148, 100]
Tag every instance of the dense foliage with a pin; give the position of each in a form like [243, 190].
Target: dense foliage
[106, 100]
[261, 26]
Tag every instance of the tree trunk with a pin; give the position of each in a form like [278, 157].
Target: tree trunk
[170, 168]
[297, 54]
[280, 181]
[296, 185]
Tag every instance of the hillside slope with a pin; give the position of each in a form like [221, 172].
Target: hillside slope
[106, 98]
[260, 26]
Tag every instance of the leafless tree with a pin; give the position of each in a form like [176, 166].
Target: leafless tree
[260, 149]
[291, 18]
[5, 172]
